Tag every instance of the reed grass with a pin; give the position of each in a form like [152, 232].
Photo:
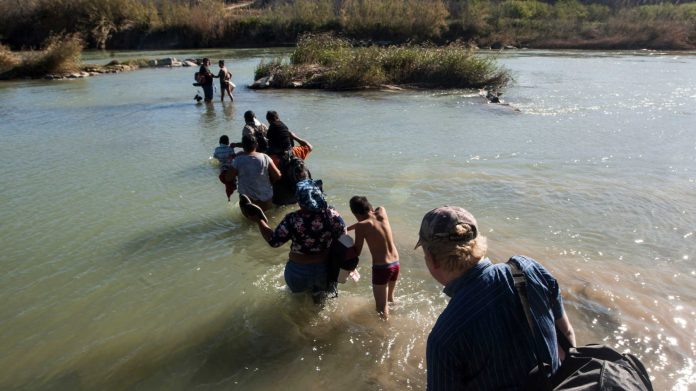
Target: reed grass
[8, 59]
[60, 55]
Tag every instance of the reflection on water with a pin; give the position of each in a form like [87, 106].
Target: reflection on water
[126, 267]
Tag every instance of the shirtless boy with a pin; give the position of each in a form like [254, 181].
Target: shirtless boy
[373, 227]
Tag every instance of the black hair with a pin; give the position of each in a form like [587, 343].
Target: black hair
[359, 205]
[224, 140]
[272, 115]
[249, 116]
[249, 143]
[221, 62]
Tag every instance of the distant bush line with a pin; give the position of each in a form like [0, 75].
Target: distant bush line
[166, 24]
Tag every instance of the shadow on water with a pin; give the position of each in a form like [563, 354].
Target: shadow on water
[210, 232]
[283, 334]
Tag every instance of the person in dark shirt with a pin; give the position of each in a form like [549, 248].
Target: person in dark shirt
[481, 341]
[280, 138]
[207, 82]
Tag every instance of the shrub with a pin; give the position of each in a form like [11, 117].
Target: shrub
[8, 59]
[61, 54]
[335, 65]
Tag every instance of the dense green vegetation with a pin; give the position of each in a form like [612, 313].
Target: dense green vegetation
[324, 61]
[131, 24]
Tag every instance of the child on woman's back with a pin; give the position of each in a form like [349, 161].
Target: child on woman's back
[373, 227]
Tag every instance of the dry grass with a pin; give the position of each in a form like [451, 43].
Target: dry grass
[60, 55]
[8, 59]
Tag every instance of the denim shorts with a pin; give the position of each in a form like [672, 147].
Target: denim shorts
[302, 277]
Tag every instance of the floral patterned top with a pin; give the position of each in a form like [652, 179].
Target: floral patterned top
[310, 232]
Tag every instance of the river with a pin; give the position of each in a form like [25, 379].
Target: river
[124, 266]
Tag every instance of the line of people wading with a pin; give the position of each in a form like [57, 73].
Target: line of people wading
[481, 340]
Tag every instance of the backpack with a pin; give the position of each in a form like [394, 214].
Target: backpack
[261, 140]
[292, 170]
[585, 368]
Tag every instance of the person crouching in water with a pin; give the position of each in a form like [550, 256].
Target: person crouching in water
[373, 227]
[255, 171]
[224, 153]
[311, 229]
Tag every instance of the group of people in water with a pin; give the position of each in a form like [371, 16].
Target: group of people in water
[480, 341]
[270, 170]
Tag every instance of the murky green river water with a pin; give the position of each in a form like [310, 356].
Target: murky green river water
[124, 267]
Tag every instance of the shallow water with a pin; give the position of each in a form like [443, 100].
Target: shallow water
[126, 268]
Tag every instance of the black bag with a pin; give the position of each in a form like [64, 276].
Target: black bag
[292, 170]
[585, 368]
[342, 255]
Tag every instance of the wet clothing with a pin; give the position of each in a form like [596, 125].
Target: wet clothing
[481, 340]
[279, 139]
[305, 277]
[224, 154]
[207, 83]
[253, 177]
[301, 151]
[230, 185]
[311, 232]
[383, 273]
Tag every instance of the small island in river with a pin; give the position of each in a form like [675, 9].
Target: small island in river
[328, 62]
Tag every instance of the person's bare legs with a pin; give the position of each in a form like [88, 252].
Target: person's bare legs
[380, 292]
[392, 286]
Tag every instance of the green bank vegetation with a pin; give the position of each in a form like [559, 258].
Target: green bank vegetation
[325, 61]
[149, 24]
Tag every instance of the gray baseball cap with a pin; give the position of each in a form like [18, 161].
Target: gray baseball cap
[439, 225]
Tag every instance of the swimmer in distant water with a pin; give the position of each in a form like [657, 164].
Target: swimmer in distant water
[373, 227]
[492, 97]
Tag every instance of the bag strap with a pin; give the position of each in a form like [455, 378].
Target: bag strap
[520, 281]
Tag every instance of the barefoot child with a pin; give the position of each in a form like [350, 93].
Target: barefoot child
[373, 227]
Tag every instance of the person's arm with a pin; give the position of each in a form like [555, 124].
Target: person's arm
[277, 237]
[302, 142]
[563, 325]
[265, 229]
[359, 238]
[273, 171]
